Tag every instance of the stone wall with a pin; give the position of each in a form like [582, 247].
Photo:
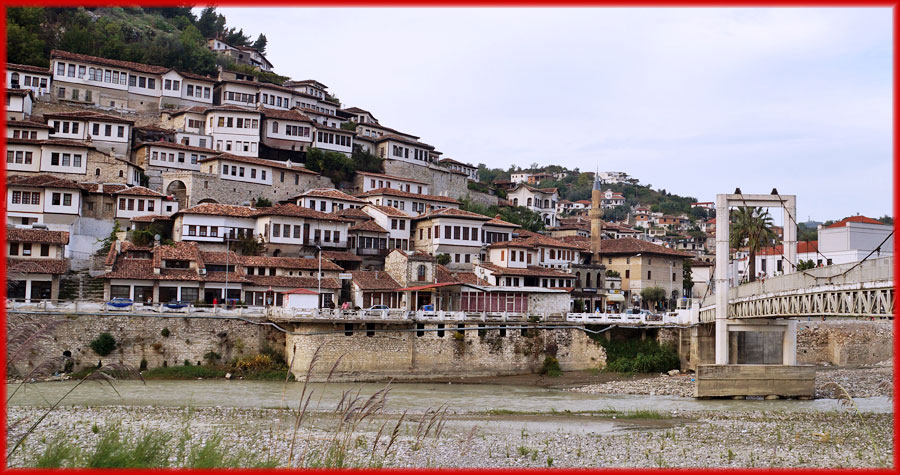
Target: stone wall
[443, 181]
[205, 186]
[837, 342]
[844, 342]
[140, 338]
[421, 355]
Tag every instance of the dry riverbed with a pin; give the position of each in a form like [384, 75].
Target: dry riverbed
[600, 439]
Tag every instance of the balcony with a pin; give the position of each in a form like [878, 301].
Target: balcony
[372, 252]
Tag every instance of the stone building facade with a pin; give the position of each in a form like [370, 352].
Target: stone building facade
[193, 188]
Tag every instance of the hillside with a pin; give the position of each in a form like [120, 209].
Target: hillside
[171, 37]
[577, 185]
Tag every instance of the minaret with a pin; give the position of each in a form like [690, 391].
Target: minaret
[596, 215]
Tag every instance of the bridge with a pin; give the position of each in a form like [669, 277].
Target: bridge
[857, 290]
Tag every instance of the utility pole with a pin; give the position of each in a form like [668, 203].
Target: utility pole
[320, 275]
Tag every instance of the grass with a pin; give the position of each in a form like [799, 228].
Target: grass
[185, 372]
[153, 449]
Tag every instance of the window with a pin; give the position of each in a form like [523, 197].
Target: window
[337, 236]
[202, 231]
[627, 273]
[649, 274]
[26, 249]
[121, 131]
[192, 230]
[107, 131]
[276, 230]
[252, 173]
[61, 93]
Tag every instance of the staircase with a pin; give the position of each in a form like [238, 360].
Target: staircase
[79, 285]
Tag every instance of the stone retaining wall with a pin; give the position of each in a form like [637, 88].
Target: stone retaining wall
[141, 338]
[397, 354]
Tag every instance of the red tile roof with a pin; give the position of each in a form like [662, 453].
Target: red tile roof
[328, 193]
[352, 213]
[293, 115]
[258, 161]
[401, 139]
[16, 265]
[499, 222]
[290, 209]
[27, 68]
[369, 226]
[803, 247]
[88, 115]
[392, 177]
[44, 236]
[138, 191]
[291, 282]
[387, 210]
[453, 213]
[530, 271]
[29, 124]
[216, 209]
[149, 218]
[176, 146]
[41, 181]
[374, 280]
[341, 256]
[302, 263]
[139, 67]
[634, 246]
[445, 275]
[404, 194]
[854, 219]
[62, 142]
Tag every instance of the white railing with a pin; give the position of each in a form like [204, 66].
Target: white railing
[677, 317]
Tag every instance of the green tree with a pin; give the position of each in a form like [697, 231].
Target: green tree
[653, 295]
[262, 203]
[24, 44]
[752, 227]
[886, 219]
[107, 242]
[366, 162]
[805, 265]
[103, 344]
[210, 23]
[443, 259]
[260, 43]
[619, 213]
[334, 165]
[688, 278]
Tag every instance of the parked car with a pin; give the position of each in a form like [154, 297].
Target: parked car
[376, 309]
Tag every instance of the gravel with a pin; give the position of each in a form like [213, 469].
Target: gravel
[679, 439]
[858, 382]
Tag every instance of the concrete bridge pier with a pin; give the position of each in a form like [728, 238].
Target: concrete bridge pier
[754, 357]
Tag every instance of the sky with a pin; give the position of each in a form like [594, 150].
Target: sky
[694, 101]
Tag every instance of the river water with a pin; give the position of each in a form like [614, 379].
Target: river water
[415, 397]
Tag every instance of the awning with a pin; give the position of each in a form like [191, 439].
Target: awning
[615, 298]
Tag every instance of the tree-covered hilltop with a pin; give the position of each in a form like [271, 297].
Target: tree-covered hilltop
[576, 185]
[171, 37]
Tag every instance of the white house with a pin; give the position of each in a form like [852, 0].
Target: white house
[334, 139]
[181, 88]
[368, 181]
[301, 299]
[413, 204]
[519, 177]
[168, 156]
[237, 168]
[108, 133]
[540, 200]
[19, 103]
[396, 222]
[22, 76]
[138, 201]
[210, 223]
[454, 232]
[234, 130]
[327, 200]
[27, 129]
[397, 147]
[43, 199]
[470, 171]
[287, 130]
[287, 227]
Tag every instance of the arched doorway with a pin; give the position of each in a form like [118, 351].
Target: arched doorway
[178, 189]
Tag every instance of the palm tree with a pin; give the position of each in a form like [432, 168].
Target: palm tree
[751, 226]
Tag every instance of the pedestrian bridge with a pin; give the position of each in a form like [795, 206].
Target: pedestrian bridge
[856, 290]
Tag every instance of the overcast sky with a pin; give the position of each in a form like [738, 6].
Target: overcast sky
[696, 101]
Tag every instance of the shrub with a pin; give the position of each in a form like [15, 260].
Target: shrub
[211, 357]
[165, 332]
[636, 356]
[255, 363]
[551, 367]
[104, 344]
